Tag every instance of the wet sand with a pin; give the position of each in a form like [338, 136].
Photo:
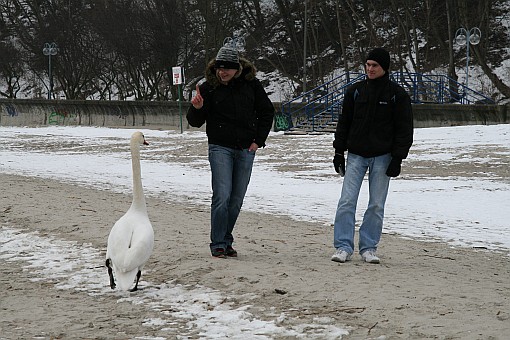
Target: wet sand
[421, 290]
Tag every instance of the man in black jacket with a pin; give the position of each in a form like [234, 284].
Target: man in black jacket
[238, 116]
[376, 128]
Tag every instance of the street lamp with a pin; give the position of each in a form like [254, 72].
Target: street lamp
[468, 37]
[49, 50]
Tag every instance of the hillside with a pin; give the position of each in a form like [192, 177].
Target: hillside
[126, 50]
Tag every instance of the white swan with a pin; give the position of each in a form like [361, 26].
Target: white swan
[131, 239]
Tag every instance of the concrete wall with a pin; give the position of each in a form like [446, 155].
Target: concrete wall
[28, 112]
[31, 112]
[435, 115]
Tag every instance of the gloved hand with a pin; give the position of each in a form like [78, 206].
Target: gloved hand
[339, 163]
[394, 167]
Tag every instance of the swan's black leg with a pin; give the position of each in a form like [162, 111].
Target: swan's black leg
[110, 273]
[136, 283]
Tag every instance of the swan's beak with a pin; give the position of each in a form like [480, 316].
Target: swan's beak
[145, 142]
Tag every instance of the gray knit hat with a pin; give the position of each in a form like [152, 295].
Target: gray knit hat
[227, 57]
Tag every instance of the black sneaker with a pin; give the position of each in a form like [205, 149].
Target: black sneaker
[231, 252]
[219, 253]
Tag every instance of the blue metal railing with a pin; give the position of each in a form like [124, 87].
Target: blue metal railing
[438, 89]
[318, 107]
[322, 102]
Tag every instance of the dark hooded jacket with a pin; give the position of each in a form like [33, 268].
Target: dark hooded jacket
[237, 114]
[376, 119]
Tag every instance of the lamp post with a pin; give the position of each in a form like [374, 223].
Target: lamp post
[49, 50]
[468, 37]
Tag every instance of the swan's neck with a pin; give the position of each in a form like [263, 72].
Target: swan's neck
[138, 196]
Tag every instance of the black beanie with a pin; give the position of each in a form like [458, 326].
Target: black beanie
[227, 57]
[381, 56]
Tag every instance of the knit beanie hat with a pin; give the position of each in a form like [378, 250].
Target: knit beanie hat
[228, 58]
[381, 56]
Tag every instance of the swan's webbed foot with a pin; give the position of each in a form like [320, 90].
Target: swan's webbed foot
[135, 288]
[110, 274]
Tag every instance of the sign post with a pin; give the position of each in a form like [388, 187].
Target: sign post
[177, 80]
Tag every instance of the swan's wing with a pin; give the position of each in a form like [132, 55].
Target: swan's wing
[131, 242]
[119, 237]
[142, 244]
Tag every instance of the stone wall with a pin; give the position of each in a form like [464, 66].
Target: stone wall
[31, 112]
[21, 112]
[436, 115]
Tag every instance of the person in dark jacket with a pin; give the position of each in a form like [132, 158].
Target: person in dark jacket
[376, 129]
[238, 116]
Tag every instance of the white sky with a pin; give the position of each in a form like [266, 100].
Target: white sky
[463, 211]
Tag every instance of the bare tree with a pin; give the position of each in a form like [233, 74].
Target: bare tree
[125, 48]
[11, 69]
[340, 17]
[483, 13]
[11, 63]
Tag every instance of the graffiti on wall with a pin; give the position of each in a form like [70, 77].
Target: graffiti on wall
[282, 122]
[58, 116]
[11, 110]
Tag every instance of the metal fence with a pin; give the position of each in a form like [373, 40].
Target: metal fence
[317, 108]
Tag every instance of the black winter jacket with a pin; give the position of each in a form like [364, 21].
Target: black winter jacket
[376, 119]
[237, 114]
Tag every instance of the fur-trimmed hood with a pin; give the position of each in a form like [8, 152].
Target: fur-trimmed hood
[247, 72]
[238, 114]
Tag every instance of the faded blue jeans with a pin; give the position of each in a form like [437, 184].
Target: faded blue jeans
[231, 172]
[378, 183]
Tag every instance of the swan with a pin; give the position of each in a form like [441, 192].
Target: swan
[131, 238]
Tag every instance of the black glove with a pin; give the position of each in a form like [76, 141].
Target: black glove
[339, 163]
[394, 167]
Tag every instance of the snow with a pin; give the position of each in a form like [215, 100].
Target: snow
[468, 210]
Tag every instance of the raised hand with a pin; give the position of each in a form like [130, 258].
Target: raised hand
[197, 101]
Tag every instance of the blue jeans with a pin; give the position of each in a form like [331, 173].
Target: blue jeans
[231, 172]
[371, 227]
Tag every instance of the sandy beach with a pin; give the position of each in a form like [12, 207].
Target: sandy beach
[421, 290]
